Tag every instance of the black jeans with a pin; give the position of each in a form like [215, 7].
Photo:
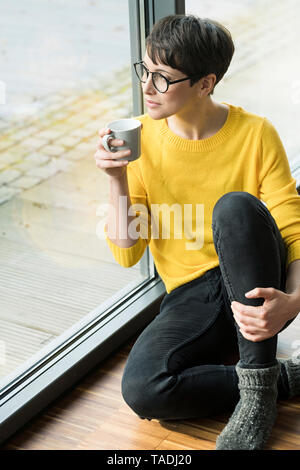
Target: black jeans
[176, 369]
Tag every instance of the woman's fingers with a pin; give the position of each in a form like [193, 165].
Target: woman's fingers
[112, 143]
[102, 154]
[110, 163]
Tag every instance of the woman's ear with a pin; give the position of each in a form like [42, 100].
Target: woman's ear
[207, 84]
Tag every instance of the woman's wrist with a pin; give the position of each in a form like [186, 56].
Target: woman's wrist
[294, 304]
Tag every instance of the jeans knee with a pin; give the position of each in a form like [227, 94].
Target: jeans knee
[133, 394]
[234, 205]
[147, 397]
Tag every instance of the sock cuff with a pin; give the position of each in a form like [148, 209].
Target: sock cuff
[258, 378]
[292, 369]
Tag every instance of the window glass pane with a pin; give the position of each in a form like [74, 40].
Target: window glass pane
[264, 74]
[65, 73]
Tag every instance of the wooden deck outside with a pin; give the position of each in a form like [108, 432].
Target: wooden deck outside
[93, 415]
[54, 268]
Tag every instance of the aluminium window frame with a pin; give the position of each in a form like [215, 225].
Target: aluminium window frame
[82, 349]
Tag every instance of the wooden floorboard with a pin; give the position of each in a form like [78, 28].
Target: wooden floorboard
[93, 416]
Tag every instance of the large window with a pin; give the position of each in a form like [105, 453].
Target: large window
[56, 268]
[65, 303]
[263, 77]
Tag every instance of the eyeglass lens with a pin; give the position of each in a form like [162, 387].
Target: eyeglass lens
[159, 81]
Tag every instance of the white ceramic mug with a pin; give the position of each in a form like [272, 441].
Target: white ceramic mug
[128, 130]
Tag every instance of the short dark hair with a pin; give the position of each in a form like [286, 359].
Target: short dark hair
[193, 45]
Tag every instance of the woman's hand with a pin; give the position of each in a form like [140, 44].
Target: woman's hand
[259, 323]
[109, 161]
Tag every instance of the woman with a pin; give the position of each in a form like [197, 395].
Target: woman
[233, 276]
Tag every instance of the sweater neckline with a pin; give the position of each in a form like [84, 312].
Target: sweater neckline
[202, 145]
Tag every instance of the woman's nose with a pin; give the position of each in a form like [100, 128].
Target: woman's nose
[148, 86]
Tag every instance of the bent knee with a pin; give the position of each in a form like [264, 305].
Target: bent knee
[147, 398]
[231, 204]
[133, 394]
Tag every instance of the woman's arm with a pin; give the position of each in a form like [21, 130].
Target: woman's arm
[292, 285]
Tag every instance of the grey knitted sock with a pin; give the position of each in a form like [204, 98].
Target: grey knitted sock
[254, 416]
[292, 369]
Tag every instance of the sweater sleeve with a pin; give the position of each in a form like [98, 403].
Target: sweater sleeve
[278, 189]
[128, 257]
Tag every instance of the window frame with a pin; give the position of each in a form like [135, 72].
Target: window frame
[79, 350]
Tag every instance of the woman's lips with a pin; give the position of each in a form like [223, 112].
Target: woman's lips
[151, 104]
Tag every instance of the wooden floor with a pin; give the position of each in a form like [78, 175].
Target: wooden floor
[93, 416]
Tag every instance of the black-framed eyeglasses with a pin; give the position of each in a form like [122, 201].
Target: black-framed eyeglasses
[160, 82]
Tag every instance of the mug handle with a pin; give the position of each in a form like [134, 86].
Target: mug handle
[105, 139]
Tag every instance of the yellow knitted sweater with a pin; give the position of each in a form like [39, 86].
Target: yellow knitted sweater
[177, 182]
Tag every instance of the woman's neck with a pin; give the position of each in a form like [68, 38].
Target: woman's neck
[202, 121]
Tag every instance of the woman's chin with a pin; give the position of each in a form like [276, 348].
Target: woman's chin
[157, 113]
